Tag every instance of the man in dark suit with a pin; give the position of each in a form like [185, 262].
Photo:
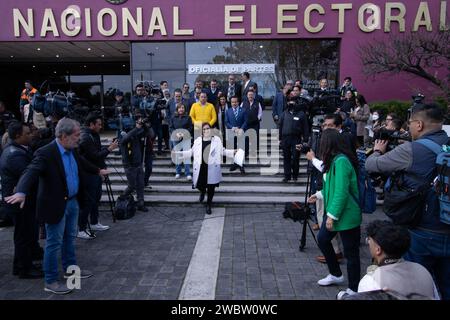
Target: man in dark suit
[213, 92]
[232, 88]
[59, 169]
[246, 84]
[15, 158]
[236, 121]
[198, 85]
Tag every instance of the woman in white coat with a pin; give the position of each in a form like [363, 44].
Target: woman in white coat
[207, 174]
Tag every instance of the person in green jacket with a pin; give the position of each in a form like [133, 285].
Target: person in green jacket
[340, 194]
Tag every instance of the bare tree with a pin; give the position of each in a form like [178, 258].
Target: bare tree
[422, 54]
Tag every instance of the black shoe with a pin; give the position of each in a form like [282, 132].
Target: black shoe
[31, 274]
[208, 209]
[285, 180]
[233, 167]
[295, 179]
[242, 170]
[202, 197]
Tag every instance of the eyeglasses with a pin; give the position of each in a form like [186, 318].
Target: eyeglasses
[204, 129]
[390, 119]
[411, 121]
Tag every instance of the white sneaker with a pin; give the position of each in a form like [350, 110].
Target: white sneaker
[345, 293]
[99, 227]
[330, 279]
[189, 178]
[177, 176]
[85, 235]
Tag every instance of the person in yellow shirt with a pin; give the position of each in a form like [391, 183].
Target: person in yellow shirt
[203, 111]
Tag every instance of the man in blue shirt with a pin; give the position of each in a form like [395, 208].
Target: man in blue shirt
[59, 169]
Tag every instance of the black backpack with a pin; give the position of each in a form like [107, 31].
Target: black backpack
[125, 207]
[296, 211]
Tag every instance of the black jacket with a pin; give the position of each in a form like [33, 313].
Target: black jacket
[13, 162]
[294, 124]
[183, 122]
[47, 167]
[132, 147]
[91, 148]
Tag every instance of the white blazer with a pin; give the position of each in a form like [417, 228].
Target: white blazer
[216, 153]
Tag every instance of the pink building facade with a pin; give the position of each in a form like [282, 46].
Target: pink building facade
[351, 23]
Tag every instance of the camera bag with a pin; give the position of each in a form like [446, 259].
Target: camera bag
[404, 206]
[125, 207]
[296, 211]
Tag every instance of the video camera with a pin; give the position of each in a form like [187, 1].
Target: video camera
[57, 104]
[417, 101]
[393, 137]
[151, 88]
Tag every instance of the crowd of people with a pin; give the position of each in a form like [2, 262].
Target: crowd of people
[52, 174]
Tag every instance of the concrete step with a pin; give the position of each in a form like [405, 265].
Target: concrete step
[241, 190]
[235, 179]
[168, 162]
[249, 171]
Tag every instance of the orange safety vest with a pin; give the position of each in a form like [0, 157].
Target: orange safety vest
[25, 95]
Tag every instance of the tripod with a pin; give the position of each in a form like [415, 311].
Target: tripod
[112, 202]
[307, 216]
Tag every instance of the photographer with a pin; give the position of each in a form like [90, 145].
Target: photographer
[92, 150]
[417, 163]
[132, 148]
[293, 130]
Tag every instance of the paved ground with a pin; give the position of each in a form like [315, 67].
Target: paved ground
[147, 258]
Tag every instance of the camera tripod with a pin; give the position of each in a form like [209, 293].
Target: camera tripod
[304, 219]
[112, 202]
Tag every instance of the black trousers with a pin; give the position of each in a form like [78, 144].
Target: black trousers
[90, 206]
[350, 241]
[210, 190]
[26, 234]
[291, 160]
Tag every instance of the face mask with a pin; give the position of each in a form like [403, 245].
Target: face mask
[375, 117]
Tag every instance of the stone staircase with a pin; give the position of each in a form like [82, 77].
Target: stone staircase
[261, 183]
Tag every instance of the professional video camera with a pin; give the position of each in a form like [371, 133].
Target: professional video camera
[325, 102]
[393, 137]
[59, 105]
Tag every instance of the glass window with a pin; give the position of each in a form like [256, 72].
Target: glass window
[207, 52]
[83, 79]
[157, 55]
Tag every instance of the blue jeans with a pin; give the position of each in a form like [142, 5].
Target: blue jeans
[432, 250]
[179, 165]
[61, 236]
